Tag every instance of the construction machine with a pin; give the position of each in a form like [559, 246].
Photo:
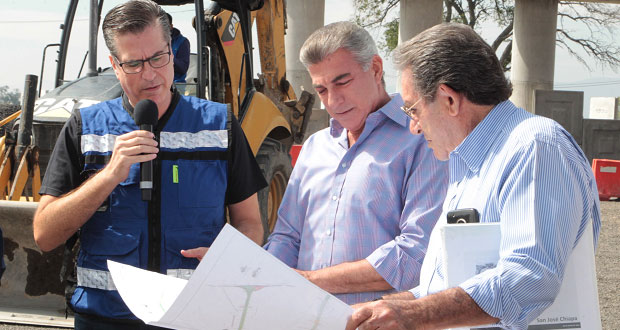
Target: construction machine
[272, 117]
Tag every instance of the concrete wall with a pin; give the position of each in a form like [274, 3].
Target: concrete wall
[601, 139]
[565, 107]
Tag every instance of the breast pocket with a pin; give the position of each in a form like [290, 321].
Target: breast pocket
[126, 199]
[201, 183]
[111, 244]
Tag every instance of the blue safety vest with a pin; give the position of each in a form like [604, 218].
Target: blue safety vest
[187, 210]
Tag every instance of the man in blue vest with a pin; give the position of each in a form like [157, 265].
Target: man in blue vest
[202, 165]
[180, 50]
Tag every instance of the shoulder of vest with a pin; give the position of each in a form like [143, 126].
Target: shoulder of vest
[202, 104]
[107, 117]
[110, 104]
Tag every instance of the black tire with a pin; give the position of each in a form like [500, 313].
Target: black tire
[274, 161]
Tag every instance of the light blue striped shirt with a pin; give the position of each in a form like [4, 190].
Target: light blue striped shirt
[377, 200]
[529, 174]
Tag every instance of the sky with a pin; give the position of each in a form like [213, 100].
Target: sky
[26, 27]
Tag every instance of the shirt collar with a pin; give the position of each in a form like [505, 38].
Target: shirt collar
[475, 146]
[390, 110]
[393, 110]
[176, 96]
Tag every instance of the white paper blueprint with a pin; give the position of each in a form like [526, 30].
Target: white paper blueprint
[149, 295]
[237, 285]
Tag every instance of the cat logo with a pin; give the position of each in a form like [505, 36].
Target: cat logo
[230, 32]
[60, 108]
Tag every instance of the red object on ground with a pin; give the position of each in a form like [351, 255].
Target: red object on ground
[295, 150]
[607, 175]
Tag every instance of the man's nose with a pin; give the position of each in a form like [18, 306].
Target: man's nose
[148, 72]
[414, 127]
[334, 99]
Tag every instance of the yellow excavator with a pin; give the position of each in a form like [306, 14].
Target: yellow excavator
[273, 118]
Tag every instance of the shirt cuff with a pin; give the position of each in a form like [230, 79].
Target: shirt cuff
[416, 292]
[400, 270]
[485, 289]
[285, 252]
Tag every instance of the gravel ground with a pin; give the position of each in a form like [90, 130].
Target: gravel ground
[607, 268]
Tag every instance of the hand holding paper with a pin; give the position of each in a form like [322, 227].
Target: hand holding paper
[237, 285]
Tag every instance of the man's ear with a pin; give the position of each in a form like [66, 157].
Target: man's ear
[114, 66]
[376, 65]
[450, 98]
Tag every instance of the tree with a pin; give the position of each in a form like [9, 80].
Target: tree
[586, 26]
[8, 96]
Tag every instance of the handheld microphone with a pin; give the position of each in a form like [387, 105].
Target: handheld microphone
[145, 114]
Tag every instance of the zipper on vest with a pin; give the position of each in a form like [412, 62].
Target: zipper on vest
[154, 221]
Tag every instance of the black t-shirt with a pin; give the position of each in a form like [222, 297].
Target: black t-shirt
[64, 171]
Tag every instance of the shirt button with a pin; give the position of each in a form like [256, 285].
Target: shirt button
[344, 165]
[329, 232]
[334, 198]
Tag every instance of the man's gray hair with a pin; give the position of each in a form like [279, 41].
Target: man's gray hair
[133, 16]
[455, 55]
[332, 37]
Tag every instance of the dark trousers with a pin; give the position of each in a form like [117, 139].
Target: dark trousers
[92, 322]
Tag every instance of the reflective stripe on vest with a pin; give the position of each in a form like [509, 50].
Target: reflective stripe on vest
[102, 280]
[97, 143]
[202, 139]
[170, 140]
[96, 279]
[180, 273]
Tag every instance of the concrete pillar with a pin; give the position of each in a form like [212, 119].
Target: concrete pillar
[303, 17]
[533, 49]
[417, 16]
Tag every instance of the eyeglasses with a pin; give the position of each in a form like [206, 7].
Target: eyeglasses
[410, 110]
[156, 61]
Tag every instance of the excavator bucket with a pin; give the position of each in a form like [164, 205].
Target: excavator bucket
[31, 291]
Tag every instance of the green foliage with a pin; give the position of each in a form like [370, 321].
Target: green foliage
[390, 37]
[8, 96]
[375, 13]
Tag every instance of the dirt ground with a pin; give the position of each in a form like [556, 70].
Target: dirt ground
[607, 268]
